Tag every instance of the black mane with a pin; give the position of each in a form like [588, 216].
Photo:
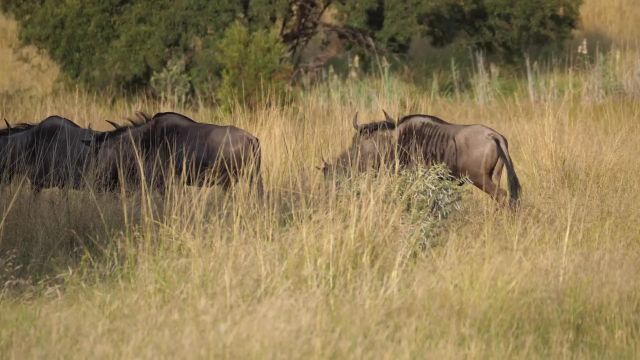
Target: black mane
[375, 126]
[142, 118]
[17, 128]
[434, 118]
[172, 113]
[69, 122]
[369, 128]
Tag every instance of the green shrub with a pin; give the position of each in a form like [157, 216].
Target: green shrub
[253, 65]
[431, 195]
[173, 82]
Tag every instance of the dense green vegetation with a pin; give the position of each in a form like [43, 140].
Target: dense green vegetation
[221, 50]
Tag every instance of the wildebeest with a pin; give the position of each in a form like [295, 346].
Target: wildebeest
[475, 151]
[171, 144]
[11, 158]
[50, 153]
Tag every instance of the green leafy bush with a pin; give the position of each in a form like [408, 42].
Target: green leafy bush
[253, 65]
[173, 82]
[431, 195]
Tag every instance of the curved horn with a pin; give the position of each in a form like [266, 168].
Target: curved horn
[7, 122]
[116, 126]
[355, 122]
[387, 117]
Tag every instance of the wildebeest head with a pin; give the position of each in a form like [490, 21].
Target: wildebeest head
[372, 146]
[7, 155]
[13, 147]
[117, 150]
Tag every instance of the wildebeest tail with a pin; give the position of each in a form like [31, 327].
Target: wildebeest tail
[512, 178]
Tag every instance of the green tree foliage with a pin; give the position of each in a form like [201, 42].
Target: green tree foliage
[123, 44]
[505, 28]
[392, 23]
[253, 65]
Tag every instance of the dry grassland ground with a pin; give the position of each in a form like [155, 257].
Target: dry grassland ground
[314, 270]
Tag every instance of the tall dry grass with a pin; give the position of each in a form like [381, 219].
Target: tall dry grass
[317, 270]
[611, 22]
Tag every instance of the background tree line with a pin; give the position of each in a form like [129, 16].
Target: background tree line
[222, 50]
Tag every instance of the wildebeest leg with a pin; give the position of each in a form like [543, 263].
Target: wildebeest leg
[486, 177]
[225, 181]
[159, 186]
[497, 172]
[257, 185]
[485, 183]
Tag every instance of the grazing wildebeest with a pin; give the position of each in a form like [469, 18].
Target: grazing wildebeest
[50, 153]
[475, 151]
[11, 154]
[171, 144]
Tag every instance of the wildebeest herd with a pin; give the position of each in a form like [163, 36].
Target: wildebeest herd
[59, 153]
